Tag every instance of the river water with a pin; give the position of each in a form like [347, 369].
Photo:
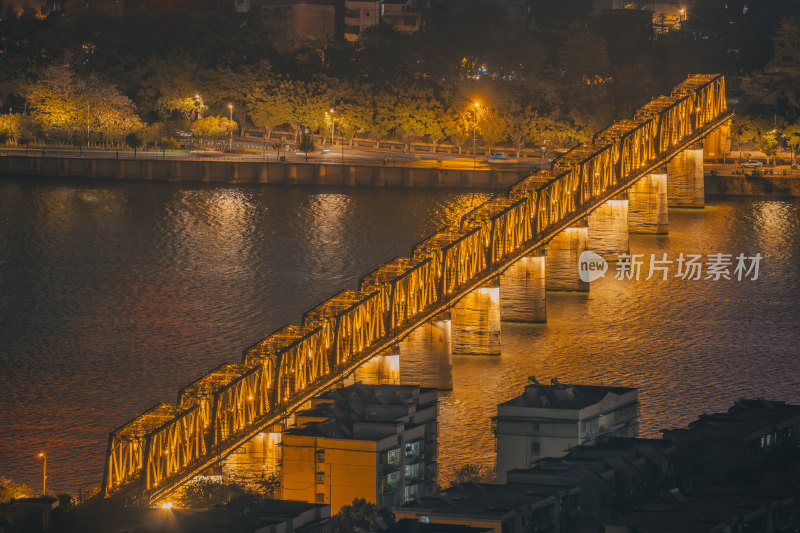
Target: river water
[115, 295]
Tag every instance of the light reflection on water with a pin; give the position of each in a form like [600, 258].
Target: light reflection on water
[115, 295]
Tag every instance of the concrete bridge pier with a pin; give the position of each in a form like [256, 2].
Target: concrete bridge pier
[261, 455]
[717, 143]
[685, 181]
[562, 256]
[426, 357]
[522, 291]
[608, 229]
[476, 321]
[647, 204]
[383, 369]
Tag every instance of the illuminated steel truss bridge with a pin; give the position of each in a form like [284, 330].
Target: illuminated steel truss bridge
[166, 446]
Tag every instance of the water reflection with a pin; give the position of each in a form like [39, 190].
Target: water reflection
[115, 298]
[114, 295]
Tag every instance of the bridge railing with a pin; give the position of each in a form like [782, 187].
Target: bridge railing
[212, 413]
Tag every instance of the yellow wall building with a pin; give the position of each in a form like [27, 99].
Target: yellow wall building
[376, 442]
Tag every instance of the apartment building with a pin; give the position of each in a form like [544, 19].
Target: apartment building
[402, 15]
[376, 442]
[545, 420]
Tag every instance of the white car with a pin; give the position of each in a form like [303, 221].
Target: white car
[752, 164]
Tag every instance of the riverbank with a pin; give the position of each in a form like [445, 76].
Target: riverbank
[155, 168]
[754, 184]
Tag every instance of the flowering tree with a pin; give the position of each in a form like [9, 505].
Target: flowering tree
[65, 105]
[214, 128]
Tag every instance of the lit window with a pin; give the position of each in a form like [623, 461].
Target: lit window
[320, 477]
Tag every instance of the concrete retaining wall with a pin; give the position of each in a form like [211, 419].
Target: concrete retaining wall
[256, 172]
[753, 185]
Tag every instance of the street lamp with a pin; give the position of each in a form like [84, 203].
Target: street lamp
[333, 125]
[44, 472]
[475, 138]
[230, 145]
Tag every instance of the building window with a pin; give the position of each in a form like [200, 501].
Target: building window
[320, 498]
[412, 471]
[393, 456]
[320, 477]
[536, 448]
[320, 456]
[392, 478]
[412, 449]
[411, 492]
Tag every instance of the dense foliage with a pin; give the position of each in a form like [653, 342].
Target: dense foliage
[95, 79]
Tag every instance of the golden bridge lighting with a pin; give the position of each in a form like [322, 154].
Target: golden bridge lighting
[284, 369]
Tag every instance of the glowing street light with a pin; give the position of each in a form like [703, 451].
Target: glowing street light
[475, 138]
[333, 124]
[44, 472]
[198, 106]
[230, 145]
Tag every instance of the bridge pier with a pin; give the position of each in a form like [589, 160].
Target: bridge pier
[562, 256]
[522, 291]
[425, 355]
[476, 321]
[685, 185]
[383, 369]
[608, 229]
[717, 143]
[647, 204]
[261, 455]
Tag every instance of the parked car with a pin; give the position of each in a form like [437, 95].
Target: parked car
[752, 164]
[498, 156]
[205, 153]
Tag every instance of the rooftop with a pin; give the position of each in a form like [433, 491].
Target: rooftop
[358, 411]
[409, 525]
[693, 514]
[745, 420]
[482, 499]
[562, 395]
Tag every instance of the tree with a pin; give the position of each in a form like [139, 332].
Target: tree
[187, 107]
[205, 493]
[491, 125]
[110, 114]
[310, 102]
[517, 119]
[56, 101]
[768, 143]
[214, 128]
[383, 120]
[471, 473]
[459, 125]
[791, 135]
[10, 490]
[359, 516]
[268, 484]
[305, 142]
[269, 107]
[10, 128]
[66, 105]
[786, 46]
